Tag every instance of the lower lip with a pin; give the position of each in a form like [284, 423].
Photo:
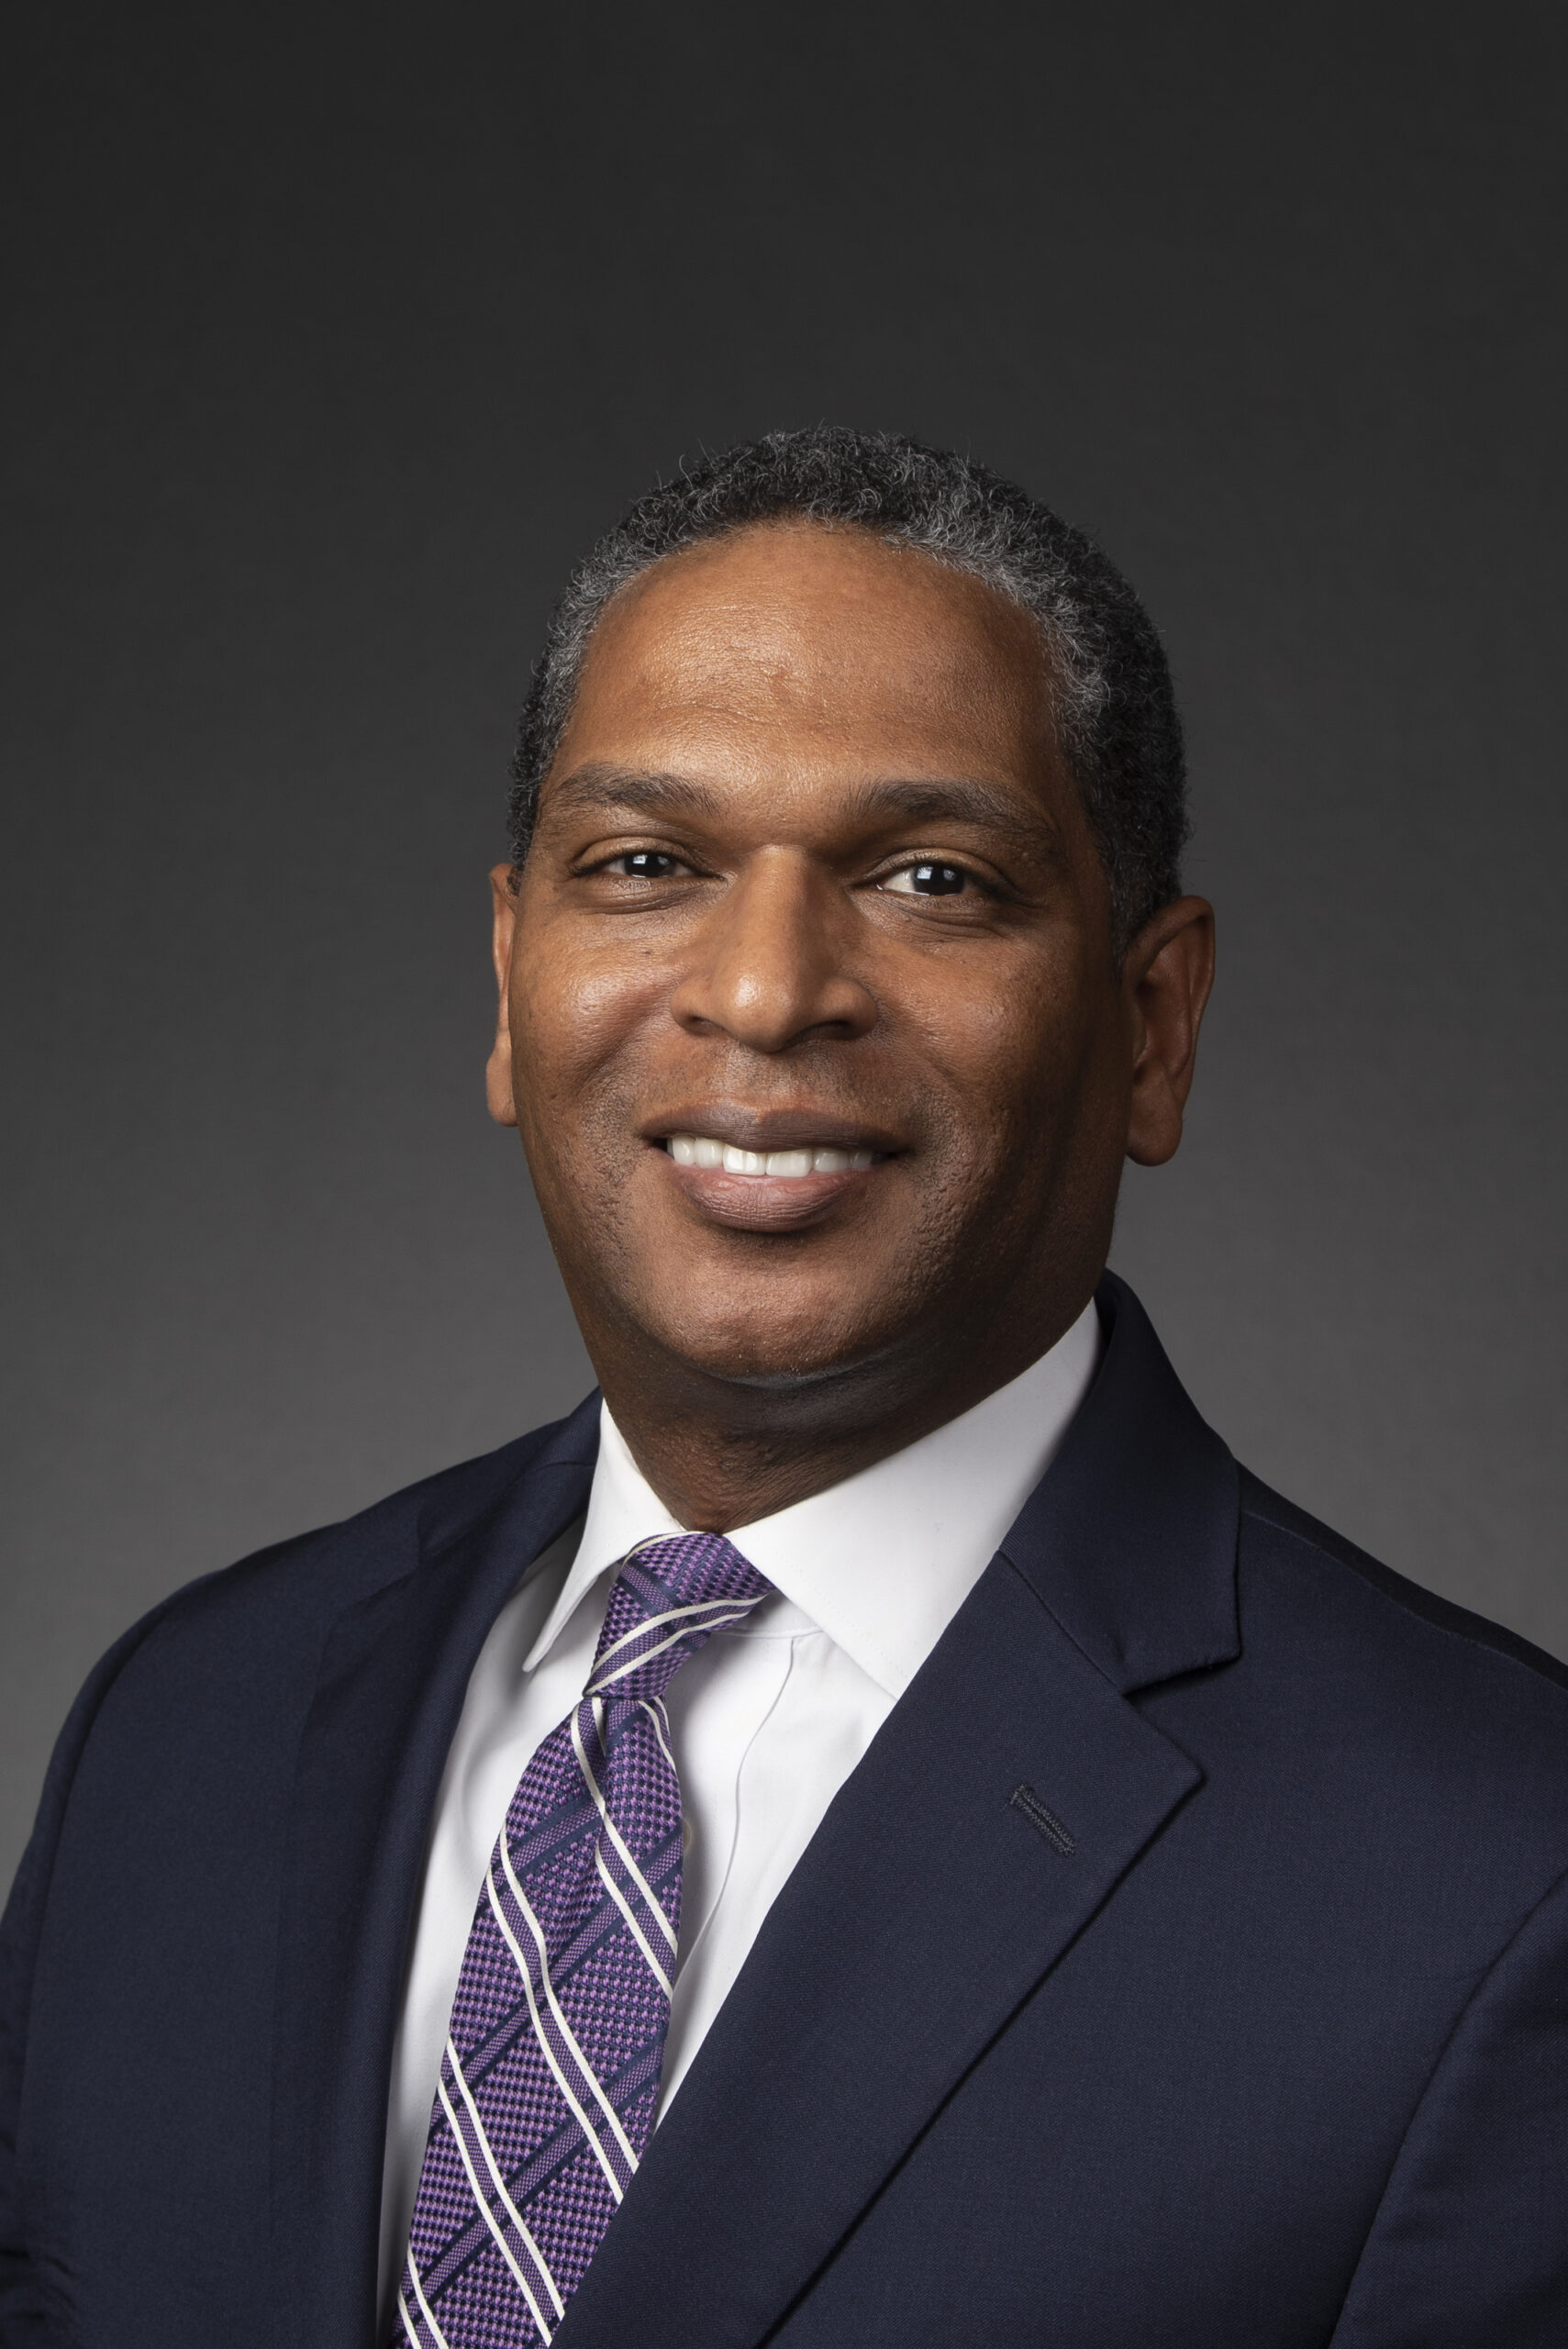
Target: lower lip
[766, 1202]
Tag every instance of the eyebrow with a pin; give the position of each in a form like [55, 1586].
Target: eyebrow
[650, 791]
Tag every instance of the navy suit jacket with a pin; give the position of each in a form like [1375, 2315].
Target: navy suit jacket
[1245, 2027]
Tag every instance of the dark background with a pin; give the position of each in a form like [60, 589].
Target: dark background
[333, 340]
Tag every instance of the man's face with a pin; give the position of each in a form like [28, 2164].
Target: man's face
[811, 885]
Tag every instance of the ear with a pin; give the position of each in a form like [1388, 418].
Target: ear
[504, 924]
[1166, 978]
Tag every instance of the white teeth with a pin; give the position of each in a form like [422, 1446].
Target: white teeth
[701, 1149]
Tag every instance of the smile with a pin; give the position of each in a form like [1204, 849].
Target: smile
[790, 1165]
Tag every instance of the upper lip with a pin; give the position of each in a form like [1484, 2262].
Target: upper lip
[763, 1130]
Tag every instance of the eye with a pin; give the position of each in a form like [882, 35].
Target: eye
[928, 880]
[647, 865]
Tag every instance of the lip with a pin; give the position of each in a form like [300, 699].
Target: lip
[763, 1203]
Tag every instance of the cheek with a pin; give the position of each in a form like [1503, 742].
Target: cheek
[574, 1019]
[1010, 1060]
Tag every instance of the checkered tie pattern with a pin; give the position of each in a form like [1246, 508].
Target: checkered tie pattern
[550, 2073]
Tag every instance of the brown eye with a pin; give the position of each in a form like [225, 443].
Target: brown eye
[647, 865]
[925, 880]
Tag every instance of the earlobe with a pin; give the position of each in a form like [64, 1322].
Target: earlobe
[498, 1069]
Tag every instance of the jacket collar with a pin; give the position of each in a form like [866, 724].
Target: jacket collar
[1130, 1538]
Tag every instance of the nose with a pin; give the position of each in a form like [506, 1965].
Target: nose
[769, 966]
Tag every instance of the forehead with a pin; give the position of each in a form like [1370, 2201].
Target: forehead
[805, 641]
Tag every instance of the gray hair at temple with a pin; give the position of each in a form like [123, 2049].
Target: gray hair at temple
[1116, 711]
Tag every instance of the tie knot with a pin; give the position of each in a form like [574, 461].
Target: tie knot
[667, 1598]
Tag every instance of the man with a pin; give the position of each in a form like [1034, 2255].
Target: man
[876, 1832]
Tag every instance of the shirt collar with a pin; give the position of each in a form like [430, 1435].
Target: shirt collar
[883, 1561]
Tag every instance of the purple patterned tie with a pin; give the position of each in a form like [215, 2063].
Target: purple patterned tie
[552, 2067]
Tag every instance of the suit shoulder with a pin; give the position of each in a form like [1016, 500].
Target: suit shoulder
[1409, 1615]
[292, 1585]
[1422, 1730]
[218, 1677]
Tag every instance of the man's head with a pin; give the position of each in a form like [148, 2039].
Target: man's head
[815, 865]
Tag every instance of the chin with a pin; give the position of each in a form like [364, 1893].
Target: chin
[760, 1347]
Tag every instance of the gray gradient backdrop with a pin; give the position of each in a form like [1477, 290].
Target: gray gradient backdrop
[334, 338]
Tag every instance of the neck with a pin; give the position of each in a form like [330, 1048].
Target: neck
[721, 1453]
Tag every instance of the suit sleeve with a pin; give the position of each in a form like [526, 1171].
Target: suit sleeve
[31, 2309]
[1470, 2246]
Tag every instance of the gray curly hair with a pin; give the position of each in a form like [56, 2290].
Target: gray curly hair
[1116, 711]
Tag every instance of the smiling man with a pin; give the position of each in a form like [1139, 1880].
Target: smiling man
[873, 1831]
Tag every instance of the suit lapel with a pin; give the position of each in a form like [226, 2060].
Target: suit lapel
[937, 1892]
[394, 1672]
[925, 1910]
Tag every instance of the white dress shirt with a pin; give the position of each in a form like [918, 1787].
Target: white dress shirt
[768, 1719]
